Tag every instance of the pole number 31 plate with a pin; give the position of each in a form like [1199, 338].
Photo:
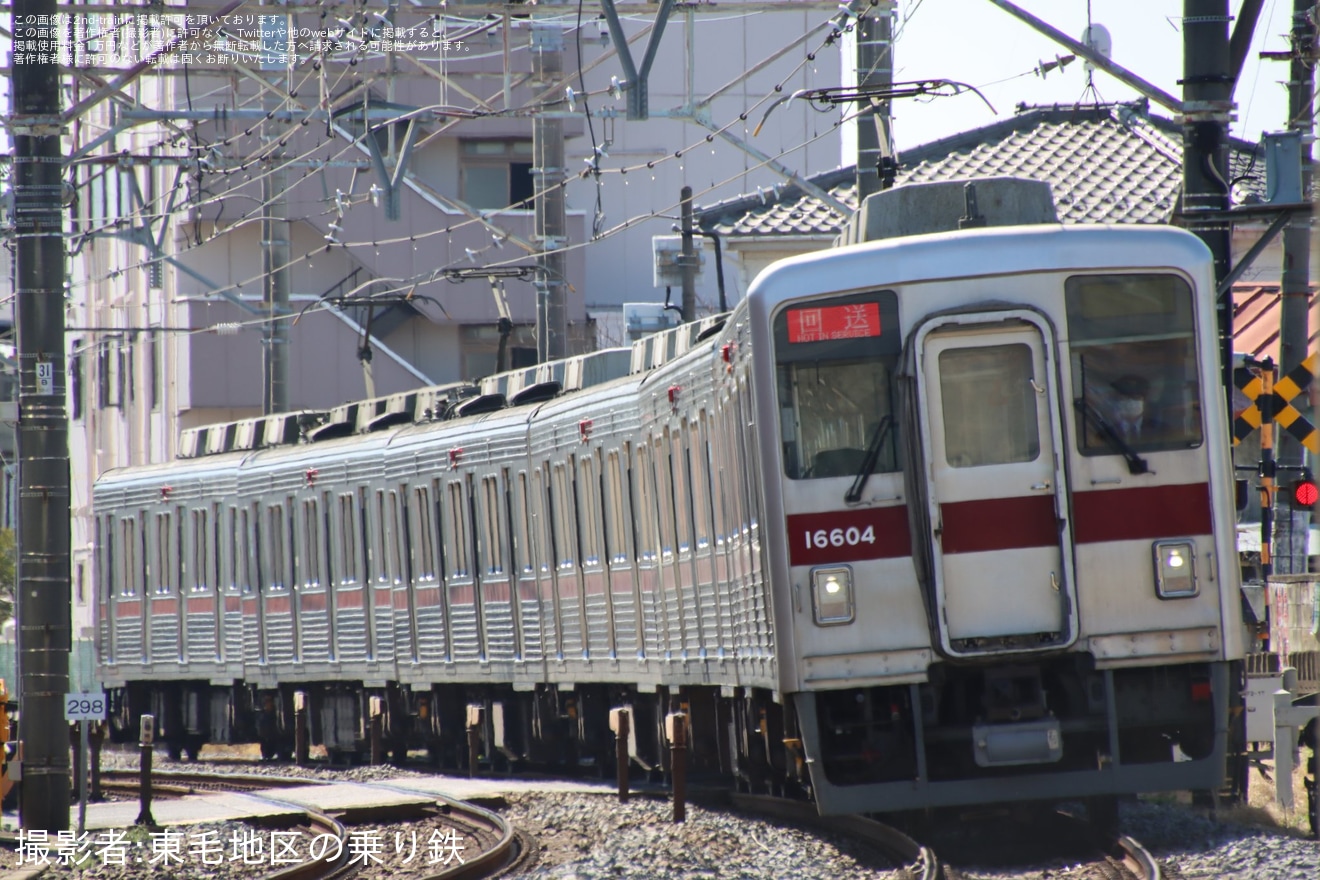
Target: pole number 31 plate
[84, 707]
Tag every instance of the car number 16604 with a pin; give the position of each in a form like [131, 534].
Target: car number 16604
[849, 537]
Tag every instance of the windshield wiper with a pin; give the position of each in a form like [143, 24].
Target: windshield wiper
[854, 493]
[1136, 464]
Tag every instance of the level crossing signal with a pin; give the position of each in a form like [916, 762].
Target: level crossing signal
[1303, 494]
[1284, 392]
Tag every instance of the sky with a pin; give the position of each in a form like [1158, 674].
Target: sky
[975, 42]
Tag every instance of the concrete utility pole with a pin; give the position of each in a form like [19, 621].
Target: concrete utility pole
[274, 226]
[1207, 105]
[689, 256]
[551, 222]
[1291, 527]
[875, 68]
[44, 627]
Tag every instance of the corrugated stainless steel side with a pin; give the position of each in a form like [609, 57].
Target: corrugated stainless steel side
[501, 642]
[430, 634]
[384, 633]
[463, 635]
[315, 634]
[692, 630]
[165, 638]
[202, 642]
[128, 640]
[350, 634]
[251, 641]
[533, 640]
[570, 627]
[600, 642]
[279, 637]
[233, 634]
[403, 638]
[625, 617]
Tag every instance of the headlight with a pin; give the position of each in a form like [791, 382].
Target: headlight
[1175, 569]
[832, 596]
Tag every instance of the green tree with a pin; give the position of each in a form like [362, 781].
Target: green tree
[8, 573]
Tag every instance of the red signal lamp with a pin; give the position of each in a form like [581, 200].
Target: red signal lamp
[1303, 494]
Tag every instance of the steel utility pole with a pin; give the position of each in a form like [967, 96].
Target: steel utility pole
[689, 256]
[274, 226]
[875, 68]
[44, 627]
[1294, 333]
[1207, 106]
[551, 223]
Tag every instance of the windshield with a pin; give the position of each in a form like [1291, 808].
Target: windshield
[1134, 369]
[835, 364]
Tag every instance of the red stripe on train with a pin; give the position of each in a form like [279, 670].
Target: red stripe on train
[312, 602]
[349, 598]
[848, 536]
[201, 605]
[1149, 513]
[999, 524]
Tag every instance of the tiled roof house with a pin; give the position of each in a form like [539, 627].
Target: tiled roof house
[1105, 164]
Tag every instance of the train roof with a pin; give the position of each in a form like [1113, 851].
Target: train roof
[991, 251]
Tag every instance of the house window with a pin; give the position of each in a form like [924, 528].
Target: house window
[497, 174]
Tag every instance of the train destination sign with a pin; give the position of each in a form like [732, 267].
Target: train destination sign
[834, 322]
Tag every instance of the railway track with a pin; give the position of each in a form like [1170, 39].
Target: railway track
[922, 862]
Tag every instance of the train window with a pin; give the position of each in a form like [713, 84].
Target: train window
[588, 492]
[1133, 361]
[227, 538]
[699, 468]
[199, 577]
[393, 538]
[346, 546]
[242, 554]
[539, 515]
[311, 551]
[379, 565]
[664, 490]
[565, 520]
[835, 361]
[989, 406]
[458, 555]
[128, 573]
[616, 531]
[165, 565]
[492, 541]
[423, 543]
[644, 504]
[522, 548]
[275, 537]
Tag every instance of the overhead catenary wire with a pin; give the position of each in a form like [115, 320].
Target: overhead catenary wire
[677, 155]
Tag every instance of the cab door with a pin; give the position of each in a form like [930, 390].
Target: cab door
[996, 494]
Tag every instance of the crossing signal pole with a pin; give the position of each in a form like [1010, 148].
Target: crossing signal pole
[43, 606]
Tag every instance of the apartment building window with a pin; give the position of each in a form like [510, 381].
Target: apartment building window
[497, 173]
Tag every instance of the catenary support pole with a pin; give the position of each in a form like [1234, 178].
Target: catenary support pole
[44, 628]
[1292, 526]
[689, 257]
[1207, 108]
[275, 228]
[551, 217]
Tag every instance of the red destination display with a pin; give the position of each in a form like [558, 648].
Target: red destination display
[834, 322]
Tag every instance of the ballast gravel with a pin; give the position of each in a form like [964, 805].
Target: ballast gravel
[592, 837]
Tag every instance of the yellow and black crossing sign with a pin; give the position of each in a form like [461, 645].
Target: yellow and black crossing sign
[1283, 392]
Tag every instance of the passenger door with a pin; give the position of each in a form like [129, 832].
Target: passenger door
[996, 495]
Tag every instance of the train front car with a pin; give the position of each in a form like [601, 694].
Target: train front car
[1000, 460]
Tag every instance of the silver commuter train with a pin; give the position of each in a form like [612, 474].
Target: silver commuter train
[933, 520]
